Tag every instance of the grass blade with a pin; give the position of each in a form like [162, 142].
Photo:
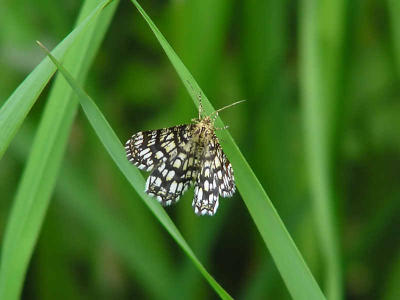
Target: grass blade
[18, 105]
[189, 22]
[39, 176]
[114, 147]
[146, 264]
[296, 275]
[321, 75]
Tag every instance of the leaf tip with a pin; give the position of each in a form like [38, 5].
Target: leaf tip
[42, 46]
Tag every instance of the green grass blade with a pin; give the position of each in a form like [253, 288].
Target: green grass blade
[294, 271]
[78, 198]
[146, 266]
[39, 176]
[18, 105]
[265, 43]
[320, 76]
[188, 21]
[114, 147]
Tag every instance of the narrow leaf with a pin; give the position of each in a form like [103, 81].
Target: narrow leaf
[37, 182]
[114, 147]
[18, 105]
[290, 263]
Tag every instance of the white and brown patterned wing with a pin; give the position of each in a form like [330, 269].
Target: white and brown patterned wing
[173, 177]
[224, 171]
[214, 178]
[149, 148]
[206, 197]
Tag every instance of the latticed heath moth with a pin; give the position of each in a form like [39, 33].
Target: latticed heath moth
[180, 156]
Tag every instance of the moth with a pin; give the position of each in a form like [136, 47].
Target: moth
[182, 155]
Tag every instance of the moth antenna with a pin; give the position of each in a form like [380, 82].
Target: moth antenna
[222, 108]
[199, 97]
[222, 128]
[200, 105]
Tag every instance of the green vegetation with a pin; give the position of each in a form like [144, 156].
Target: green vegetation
[312, 134]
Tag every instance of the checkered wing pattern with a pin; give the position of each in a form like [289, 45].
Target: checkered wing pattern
[173, 177]
[179, 156]
[148, 149]
[214, 178]
[225, 178]
[170, 155]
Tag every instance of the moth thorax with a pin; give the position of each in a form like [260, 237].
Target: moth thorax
[204, 129]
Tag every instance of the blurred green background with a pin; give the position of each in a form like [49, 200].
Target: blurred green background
[322, 117]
